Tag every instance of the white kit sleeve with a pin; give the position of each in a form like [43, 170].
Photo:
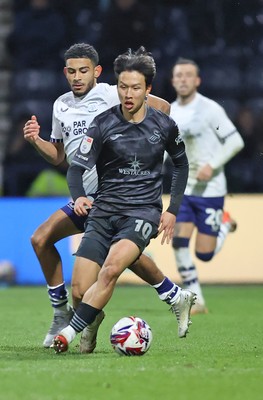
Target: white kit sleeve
[228, 137]
[56, 133]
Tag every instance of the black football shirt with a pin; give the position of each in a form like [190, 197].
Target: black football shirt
[129, 161]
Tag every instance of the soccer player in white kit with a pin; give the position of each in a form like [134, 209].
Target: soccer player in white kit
[72, 114]
[211, 140]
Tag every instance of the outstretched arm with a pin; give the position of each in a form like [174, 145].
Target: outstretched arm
[51, 152]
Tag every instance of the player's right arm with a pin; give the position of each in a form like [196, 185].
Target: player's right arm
[75, 184]
[51, 152]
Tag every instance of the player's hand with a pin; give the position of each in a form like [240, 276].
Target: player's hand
[31, 129]
[82, 206]
[167, 223]
[205, 173]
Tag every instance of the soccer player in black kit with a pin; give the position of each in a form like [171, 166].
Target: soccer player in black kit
[127, 145]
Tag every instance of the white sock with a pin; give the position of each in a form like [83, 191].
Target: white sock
[188, 272]
[175, 297]
[69, 333]
[222, 234]
[167, 291]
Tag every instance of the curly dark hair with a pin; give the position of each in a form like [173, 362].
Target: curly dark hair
[82, 50]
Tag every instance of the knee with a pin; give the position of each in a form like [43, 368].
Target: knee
[109, 274]
[38, 240]
[77, 294]
[205, 256]
[42, 238]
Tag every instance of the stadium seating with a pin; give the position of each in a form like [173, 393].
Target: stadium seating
[36, 84]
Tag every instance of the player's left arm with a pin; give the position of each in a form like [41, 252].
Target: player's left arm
[228, 136]
[176, 150]
[159, 104]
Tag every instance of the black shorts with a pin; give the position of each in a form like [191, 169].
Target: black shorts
[101, 233]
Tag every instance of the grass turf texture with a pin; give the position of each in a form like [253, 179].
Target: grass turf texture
[220, 358]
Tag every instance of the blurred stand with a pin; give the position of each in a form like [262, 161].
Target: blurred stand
[21, 163]
[7, 274]
[228, 50]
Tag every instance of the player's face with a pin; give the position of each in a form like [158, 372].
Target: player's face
[81, 75]
[132, 93]
[185, 80]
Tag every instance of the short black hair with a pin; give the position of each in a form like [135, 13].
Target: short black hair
[82, 50]
[139, 60]
[182, 61]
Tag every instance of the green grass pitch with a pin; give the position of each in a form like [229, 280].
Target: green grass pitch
[221, 358]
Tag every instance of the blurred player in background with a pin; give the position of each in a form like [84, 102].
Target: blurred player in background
[72, 115]
[127, 212]
[211, 140]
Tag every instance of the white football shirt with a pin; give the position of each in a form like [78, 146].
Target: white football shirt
[72, 117]
[210, 138]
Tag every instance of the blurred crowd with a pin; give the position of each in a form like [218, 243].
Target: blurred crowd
[224, 37]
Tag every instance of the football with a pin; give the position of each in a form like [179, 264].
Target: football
[131, 336]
